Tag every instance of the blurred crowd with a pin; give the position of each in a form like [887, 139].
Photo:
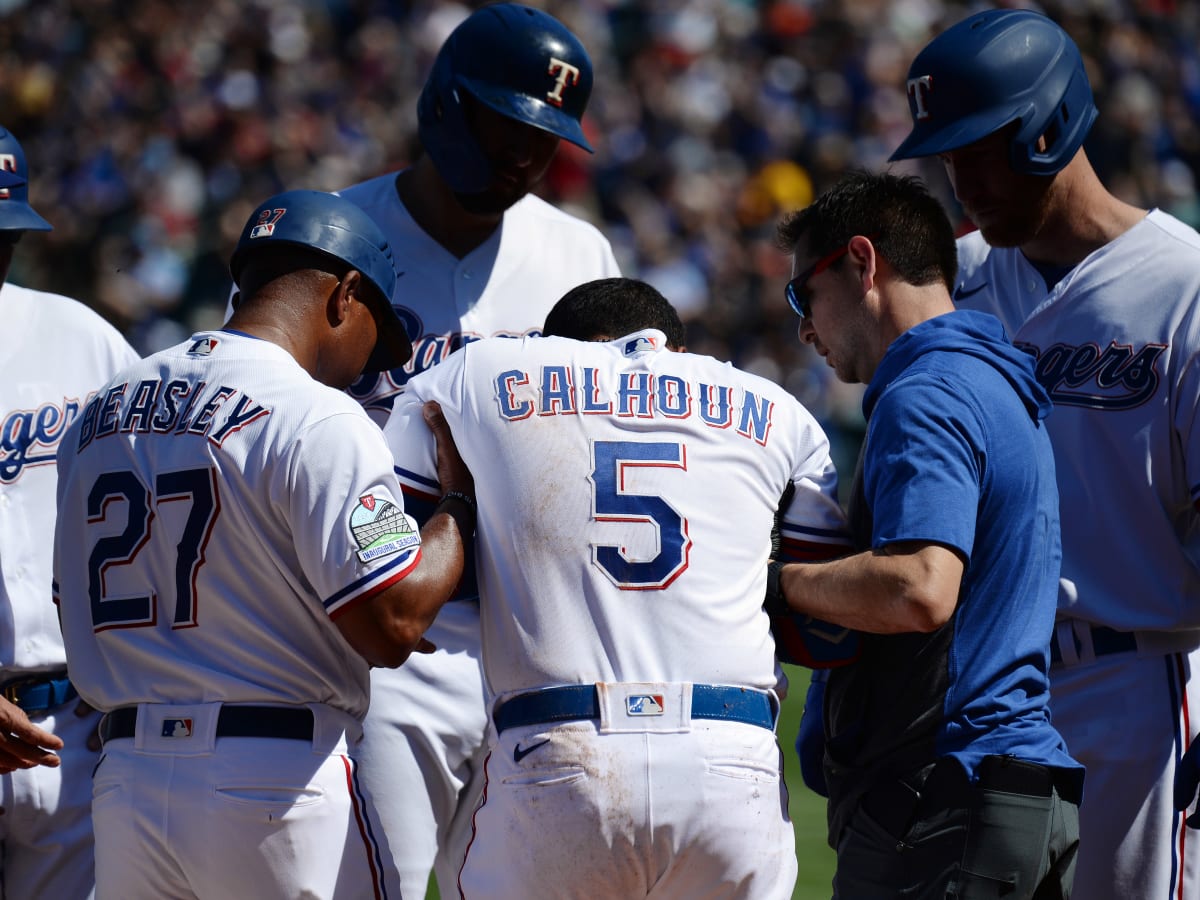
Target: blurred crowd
[153, 127]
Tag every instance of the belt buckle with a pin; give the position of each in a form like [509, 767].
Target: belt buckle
[12, 689]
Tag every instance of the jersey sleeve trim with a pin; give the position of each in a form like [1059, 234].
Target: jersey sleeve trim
[373, 582]
[420, 483]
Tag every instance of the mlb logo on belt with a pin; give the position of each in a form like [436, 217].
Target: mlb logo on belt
[177, 728]
[644, 705]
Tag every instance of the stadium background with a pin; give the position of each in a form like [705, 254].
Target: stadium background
[153, 127]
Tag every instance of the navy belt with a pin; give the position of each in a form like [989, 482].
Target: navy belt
[1105, 642]
[580, 701]
[38, 693]
[232, 721]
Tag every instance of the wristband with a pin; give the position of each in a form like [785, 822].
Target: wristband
[465, 498]
[774, 602]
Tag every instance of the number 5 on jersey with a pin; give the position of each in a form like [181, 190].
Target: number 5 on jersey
[614, 501]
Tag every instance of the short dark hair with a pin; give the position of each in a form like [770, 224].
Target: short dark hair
[613, 308]
[907, 225]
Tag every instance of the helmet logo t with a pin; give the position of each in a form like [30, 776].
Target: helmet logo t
[8, 162]
[567, 74]
[919, 88]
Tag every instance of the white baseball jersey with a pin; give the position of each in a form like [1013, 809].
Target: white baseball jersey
[425, 735]
[504, 287]
[55, 354]
[217, 509]
[626, 498]
[1118, 348]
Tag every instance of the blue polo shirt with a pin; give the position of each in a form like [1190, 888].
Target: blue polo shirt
[956, 454]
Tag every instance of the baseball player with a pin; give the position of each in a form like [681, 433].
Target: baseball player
[1107, 297]
[479, 256]
[624, 639]
[55, 354]
[231, 555]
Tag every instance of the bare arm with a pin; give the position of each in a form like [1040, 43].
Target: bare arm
[22, 744]
[389, 626]
[904, 587]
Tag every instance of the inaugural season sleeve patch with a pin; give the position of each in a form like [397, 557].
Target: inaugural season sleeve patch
[380, 528]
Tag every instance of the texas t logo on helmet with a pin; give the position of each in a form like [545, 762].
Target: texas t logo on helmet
[919, 89]
[567, 74]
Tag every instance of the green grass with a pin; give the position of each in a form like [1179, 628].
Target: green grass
[816, 859]
[813, 853]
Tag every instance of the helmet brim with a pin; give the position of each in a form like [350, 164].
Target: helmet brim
[392, 345]
[955, 135]
[529, 110]
[17, 216]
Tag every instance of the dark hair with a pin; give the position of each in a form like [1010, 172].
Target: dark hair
[613, 308]
[907, 225]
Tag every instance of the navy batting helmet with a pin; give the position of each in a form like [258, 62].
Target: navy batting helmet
[519, 61]
[340, 230]
[993, 69]
[15, 212]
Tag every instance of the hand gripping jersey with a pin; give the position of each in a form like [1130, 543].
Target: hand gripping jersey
[217, 508]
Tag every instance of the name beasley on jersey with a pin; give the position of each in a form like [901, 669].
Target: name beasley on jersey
[563, 391]
[177, 406]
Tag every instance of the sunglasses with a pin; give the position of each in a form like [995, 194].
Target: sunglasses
[798, 296]
[796, 291]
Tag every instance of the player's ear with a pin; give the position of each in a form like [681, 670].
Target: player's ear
[355, 287]
[343, 296]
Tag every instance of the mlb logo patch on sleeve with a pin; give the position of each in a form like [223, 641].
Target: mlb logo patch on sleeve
[644, 705]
